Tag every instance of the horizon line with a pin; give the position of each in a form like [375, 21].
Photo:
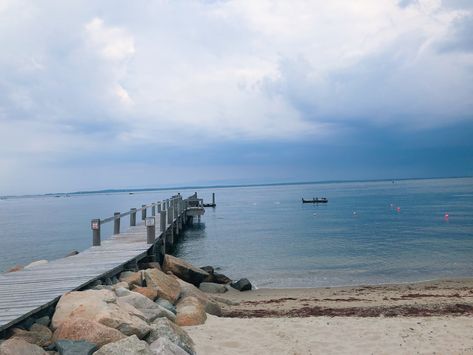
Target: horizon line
[144, 189]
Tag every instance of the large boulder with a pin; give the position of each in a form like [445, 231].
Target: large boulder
[210, 287]
[209, 304]
[132, 278]
[88, 330]
[75, 347]
[16, 346]
[163, 328]
[166, 286]
[242, 285]
[38, 334]
[149, 292]
[190, 311]
[100, 306]
[164, 346]
[148, 308]
[184, 270]
[128, 346]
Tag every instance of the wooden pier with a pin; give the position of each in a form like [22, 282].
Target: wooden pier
[31, 291]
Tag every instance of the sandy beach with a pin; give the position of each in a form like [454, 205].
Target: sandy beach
[426, 318]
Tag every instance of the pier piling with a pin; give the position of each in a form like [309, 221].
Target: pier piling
[116, 223]
[133, 217]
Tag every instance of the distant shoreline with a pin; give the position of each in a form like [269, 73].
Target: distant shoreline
[223, 186]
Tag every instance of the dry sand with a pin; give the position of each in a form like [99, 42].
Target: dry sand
[426, 318]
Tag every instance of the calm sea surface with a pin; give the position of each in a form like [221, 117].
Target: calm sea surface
[267, 235]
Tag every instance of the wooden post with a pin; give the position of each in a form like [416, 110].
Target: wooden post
[150, 230]
[213, 198]
[116, 223]
[95, 225]
[159, 207]
[133, 217]
[143, 212]
[153, 210]
[162, 221]
[170, 215]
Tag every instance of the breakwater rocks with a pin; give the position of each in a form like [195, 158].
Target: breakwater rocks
[140, 311]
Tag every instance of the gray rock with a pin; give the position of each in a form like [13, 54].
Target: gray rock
[241, 285]
[163, 346]
[163, 328]
[208, 269]
[43, 321]
[75, 347]
[210, 287]
[128, 346]
[121, 292]
[166, 304]
[150, 309]
[108, 281]
[221, 278]
[115, 280]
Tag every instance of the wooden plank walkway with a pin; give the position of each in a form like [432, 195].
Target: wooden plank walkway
[27, 292]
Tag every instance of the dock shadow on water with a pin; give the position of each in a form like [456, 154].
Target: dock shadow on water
[194, 234]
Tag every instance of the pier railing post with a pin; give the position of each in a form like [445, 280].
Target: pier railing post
[150, 230]
[159, 207]
[143, 212]
[95, 225]
[153, 210]
[133, 217]
[162, 221]
[116, 223]
[170, 215]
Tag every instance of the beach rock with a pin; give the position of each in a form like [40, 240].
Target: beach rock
[38, 334]
[166, 286]
[122, 284]
[221, 279]
[241, 285]
[164, 346]
[16, 346]
[209, 269]
[75, 347]
[102, 307]
[88, 330]
[149, 292]
[128, 346]
[190, 311]
[72, 253]
[36, 263]
[122, 291]
[15, 268]
[163, 328]
[184, 270]
[132, 278]
[147, 307]
[210, 287]
[210, 305]
[166, 304]
[45, 320]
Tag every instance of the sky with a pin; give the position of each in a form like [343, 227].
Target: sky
[122, 94]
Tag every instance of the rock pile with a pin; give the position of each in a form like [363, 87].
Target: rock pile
[137, 312]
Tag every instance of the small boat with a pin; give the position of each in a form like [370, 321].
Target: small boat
[315, 200]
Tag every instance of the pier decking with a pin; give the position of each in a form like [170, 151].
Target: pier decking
[29, 291]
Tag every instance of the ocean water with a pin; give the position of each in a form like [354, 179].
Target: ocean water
[368, 232]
